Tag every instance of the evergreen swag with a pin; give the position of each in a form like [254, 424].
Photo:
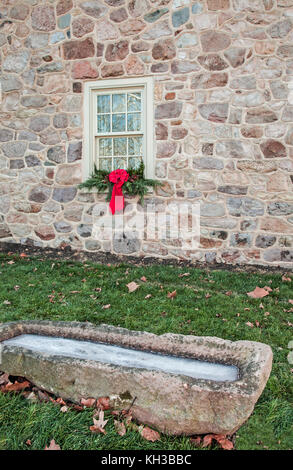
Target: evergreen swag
[137, 184]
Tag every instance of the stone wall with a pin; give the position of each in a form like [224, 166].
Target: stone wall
[224, 118]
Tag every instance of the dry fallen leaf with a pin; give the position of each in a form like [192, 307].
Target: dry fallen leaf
[249, 324]
[207, 440]
[195, 441]
[88, 402]
[64, 409]
[4, 379]
[229, 292]
[286, 279]
[171, 295]
[16, 386]
[184, 274]
[99, 424]
[143, 279]
[53, 446]
[132, 286]
[258, 293]
[103, 403]
[222, 440]
[120, 427]
[150, 435]
[148, 296]
[105, 307]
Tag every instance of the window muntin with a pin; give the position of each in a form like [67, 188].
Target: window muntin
[119, 129]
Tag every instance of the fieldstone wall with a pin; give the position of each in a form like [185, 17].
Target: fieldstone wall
[224, 118]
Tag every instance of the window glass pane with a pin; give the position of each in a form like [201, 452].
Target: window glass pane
[135, 146]
[120, 146]
[118, 122]
[104, 123]
[134, 162]
[134, 122]
[120, 163]
[133, 102]
[103, 103]
[105, 147]
[105, 164]
[118, 103]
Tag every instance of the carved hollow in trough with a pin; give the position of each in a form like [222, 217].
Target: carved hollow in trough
[182, 384]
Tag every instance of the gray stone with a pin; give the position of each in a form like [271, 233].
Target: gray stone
[16, 164]
[233, 149]
[155, 15]
[60, 121]
[16, 62]
[64, 21]
[51, 67]
[34, 101]
[74, 151]
[92, 245]
[94, 8]
[5, 231]
[64, 194]
[56, 154]
[27, 135]
[84, 230]
[14, 149]
[274, 254]
[32, 160]
[168, 110]
[37, 40]
[241, 239]
[233, 189]
[40, 194]
[62, 226]
[126, 243]
[264, 241]
[245, 206]
[280, 29]
[210, 209]
[179, 17]
[212, 406]
[207, 163]
[6, 135]
[10, 83]
[235, 56]
[280, 208]
[39, 123]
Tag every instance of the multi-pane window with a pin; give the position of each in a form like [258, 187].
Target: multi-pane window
[120, 130]
[118, 125]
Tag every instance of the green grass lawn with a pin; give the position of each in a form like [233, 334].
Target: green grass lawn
[32, 288]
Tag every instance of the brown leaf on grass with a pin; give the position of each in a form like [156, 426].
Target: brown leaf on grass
[99, 423]
[53, 446]
[248, 323]
[61, 401]
[105, 307]
[120, 427]
[207, 440]
[88, 402]
[143, 279]
[64, 409]
[195, 441]
[229, 292]
[222, 440]
[16, 288]
[103, 403]
[207, 296]
[23, 255]
[171, 295]
[75, 292]
[184, 274]
[286, 279]
[148, 296]
[43, 396]
[17, 386]
[149, 434]
[28, 442]
[290, 301]
[6, 302]
[132, 286]
[258, 293]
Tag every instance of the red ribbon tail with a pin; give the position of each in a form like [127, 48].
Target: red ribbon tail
[117, 199]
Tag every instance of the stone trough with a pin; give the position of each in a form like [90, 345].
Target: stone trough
[175, 383]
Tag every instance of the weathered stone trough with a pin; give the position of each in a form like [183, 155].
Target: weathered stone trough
[181, 384]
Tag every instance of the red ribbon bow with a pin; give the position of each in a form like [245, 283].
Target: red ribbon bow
[118, 177]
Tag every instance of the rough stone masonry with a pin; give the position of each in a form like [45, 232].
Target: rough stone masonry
[223, 72]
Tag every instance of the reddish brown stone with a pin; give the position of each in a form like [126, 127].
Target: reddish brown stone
[166, 149]
[63, 6]
[209, 80]
[273, 149]
[84, 70]
[43, 18]
[118, 15]
[212, 62]
[82, 26]
[169, 110]
[131, 27]
[117, 51]
[78, 49]
[113, 70]
[164, 50]
[134, 66]
[214, 41]
[140, 46]
[159, 68]
[45, 232]
[161, 131]
[179, 133]
[170, 96]
[209, 243]
[260, 116]
[252, 132]
[218, 4]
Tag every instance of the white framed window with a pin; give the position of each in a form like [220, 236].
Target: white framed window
[118, 125]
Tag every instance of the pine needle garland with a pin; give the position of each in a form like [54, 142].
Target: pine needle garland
[137, 184]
